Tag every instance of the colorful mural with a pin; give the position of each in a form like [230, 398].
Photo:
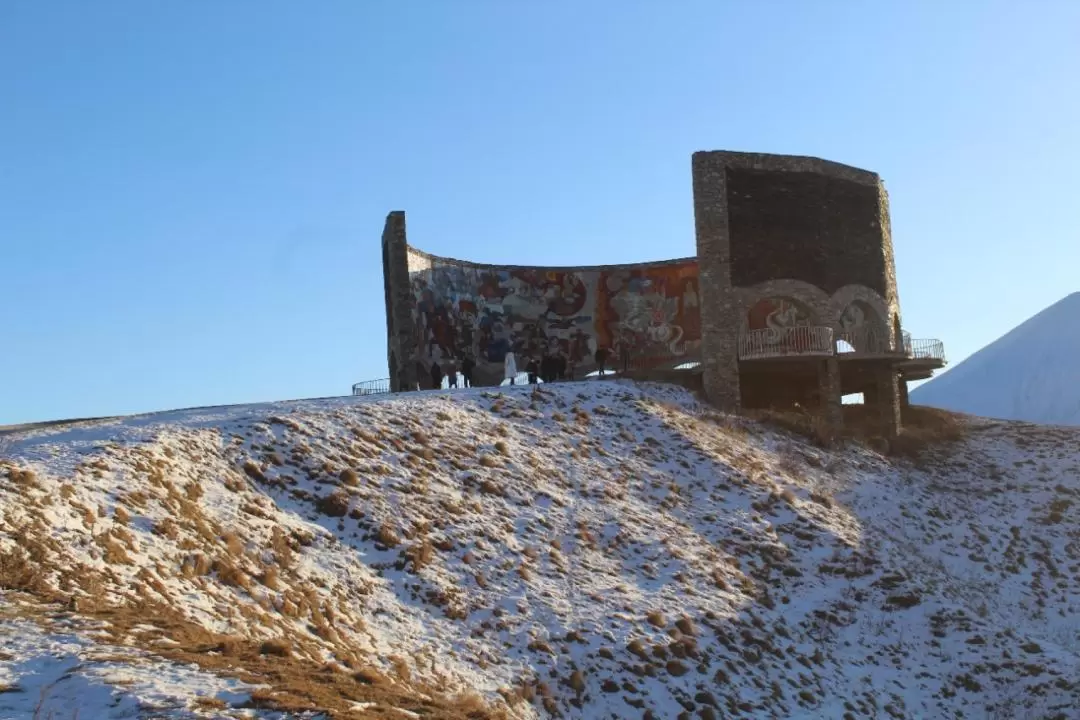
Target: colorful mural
[777, 321]
[460, 311]
[778, 314]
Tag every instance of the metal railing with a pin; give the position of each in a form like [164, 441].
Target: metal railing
[372, 387]
[862, 341]
[796, 341]
[924, 349]
[812, 341]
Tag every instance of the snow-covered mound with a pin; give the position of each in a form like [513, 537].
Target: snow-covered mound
[588, 550]
[1032, 373]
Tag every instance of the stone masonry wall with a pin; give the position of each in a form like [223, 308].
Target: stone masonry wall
[803, 218]
[804, 226]
[817, 229]
[400, 339]
[720, 308]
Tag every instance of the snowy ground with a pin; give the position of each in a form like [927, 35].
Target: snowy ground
[595, 550]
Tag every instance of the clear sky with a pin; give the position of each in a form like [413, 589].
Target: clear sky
[192, 193]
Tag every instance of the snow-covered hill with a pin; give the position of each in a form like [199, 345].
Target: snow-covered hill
[588, 550]
[1031, 373]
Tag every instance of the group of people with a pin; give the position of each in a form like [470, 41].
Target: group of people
[449, 370]
[551, 367]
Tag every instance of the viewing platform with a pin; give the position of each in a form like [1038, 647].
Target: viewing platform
[917, 359]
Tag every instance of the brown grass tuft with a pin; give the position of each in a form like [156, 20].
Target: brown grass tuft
[387, 536]
[269, 578]
[420, 554]
[114, 554]
[253, 471]
[166, 528]
[17, 572]
[23, 477]
[369, 676]
[278, 648]
[336, 504]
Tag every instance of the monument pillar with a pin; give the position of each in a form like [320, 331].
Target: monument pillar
[719, 304]
[829, 392]
[400, 337]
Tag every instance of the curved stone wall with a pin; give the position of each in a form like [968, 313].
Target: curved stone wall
[782, 242]
[645, 312]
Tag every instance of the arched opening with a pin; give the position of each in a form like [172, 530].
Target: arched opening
[862, 330]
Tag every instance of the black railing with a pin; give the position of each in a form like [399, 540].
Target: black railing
[372, 387]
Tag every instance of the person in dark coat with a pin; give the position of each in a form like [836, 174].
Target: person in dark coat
[467, 366]
[560, 368]
[601, 358]
[436, 375]
[532, 370]
[545, 368]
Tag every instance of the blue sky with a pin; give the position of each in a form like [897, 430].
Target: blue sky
[192, 193]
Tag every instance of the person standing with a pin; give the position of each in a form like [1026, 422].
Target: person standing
[451, 373]
[510, 367]
[436, 375]
[532, 369]
[546, 373]
[601, 358]
[467, 366]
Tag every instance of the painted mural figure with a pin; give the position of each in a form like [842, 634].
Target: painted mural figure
[778, 319]
[863, 331]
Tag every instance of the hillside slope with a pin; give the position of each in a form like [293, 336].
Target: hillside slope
[596, 550]
[1032, 373]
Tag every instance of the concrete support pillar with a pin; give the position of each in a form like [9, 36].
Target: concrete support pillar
[902, 385]
[870, 394]
[719, 306]
[888, 401]
[829, 391]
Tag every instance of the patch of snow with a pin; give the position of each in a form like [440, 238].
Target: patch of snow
[600, 549]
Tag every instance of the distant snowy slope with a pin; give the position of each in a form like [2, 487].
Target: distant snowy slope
[1031, 373]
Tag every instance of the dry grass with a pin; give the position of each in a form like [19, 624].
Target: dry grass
[420, 554]
[17, 572]
[349, 477]
[923, 429]
[928, 428]
[297, 684]
[387, 535]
